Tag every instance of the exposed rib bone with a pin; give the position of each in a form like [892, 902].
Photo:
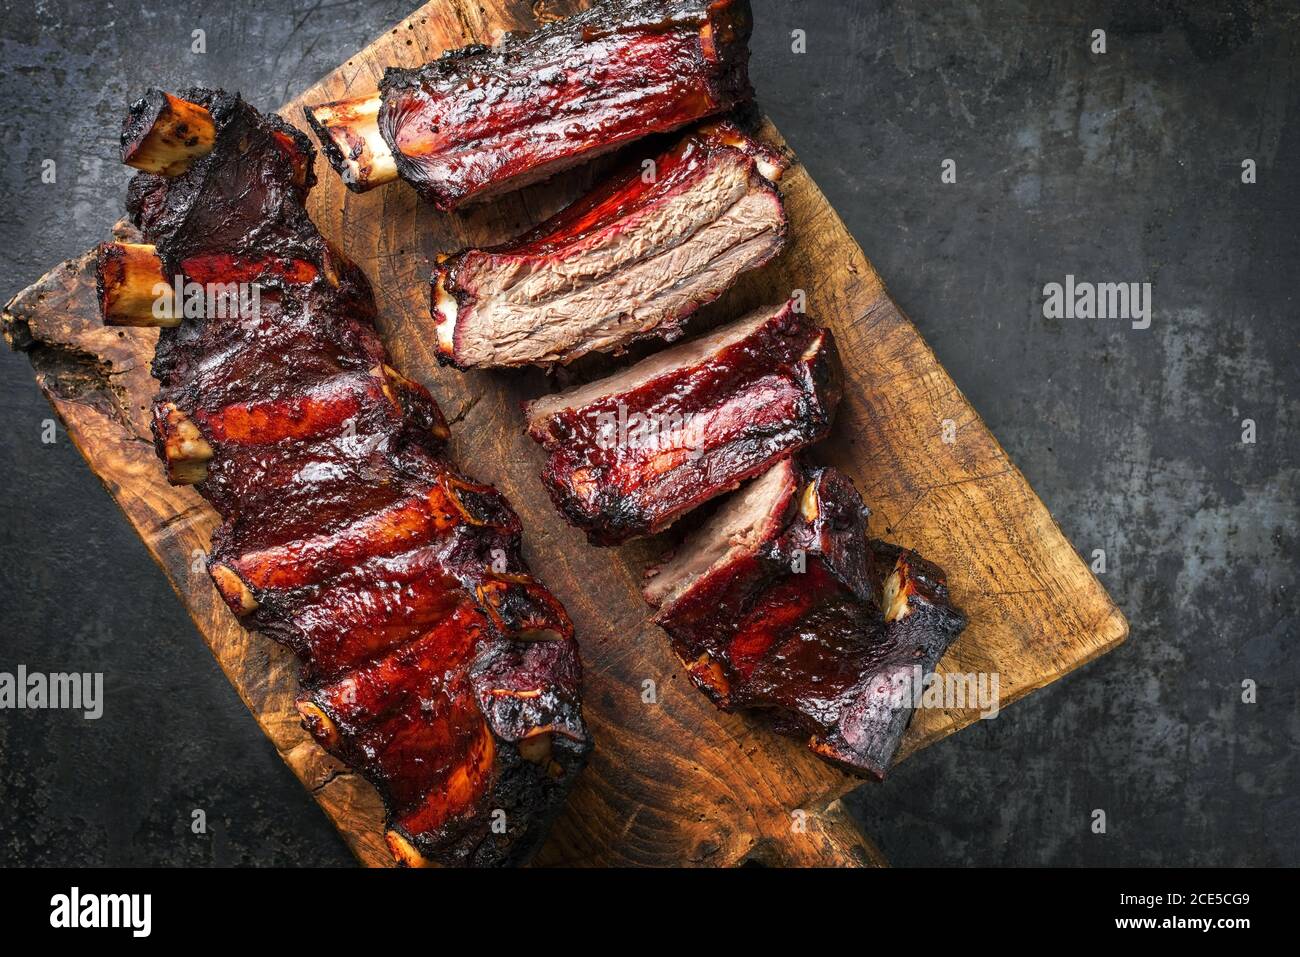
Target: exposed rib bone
[404, 851]
[187, 451]
[233, 589]
[320, 724]
[349, 132]
[133, 290]
[536, 747]
[165, 134]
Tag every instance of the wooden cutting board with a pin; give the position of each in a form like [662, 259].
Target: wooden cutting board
[672, 781]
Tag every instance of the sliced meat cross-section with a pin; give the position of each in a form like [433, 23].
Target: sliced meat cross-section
[632, 453]
[631, 260]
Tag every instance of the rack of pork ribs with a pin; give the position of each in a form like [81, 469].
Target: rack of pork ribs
[433, 663]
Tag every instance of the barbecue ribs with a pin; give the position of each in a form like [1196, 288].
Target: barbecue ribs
[433, 663]
[481, 121]
[631, 260]
[781, 603]
[632, 453]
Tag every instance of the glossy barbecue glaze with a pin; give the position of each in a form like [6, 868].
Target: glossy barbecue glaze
[484, 120]
[782, 605]
[433, 663]
[631, 454]
[631, 260]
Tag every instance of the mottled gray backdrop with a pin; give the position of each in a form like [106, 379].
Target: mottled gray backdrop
[1117, 167]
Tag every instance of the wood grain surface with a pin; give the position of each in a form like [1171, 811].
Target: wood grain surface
[673, 781]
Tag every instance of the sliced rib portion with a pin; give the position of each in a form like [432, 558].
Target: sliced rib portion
[631, 260]
[485, 120]
[433, 663]
[780, 603]
[632, 453]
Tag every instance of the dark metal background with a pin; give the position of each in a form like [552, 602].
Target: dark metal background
[1117, 167]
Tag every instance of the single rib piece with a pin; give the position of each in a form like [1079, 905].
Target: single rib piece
[632, 453]
[631, 260]
[481, 120]
[781, 603]
[433, 663]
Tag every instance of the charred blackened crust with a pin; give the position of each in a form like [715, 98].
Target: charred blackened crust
[729, 24]
[272, 161]
[165, 133]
